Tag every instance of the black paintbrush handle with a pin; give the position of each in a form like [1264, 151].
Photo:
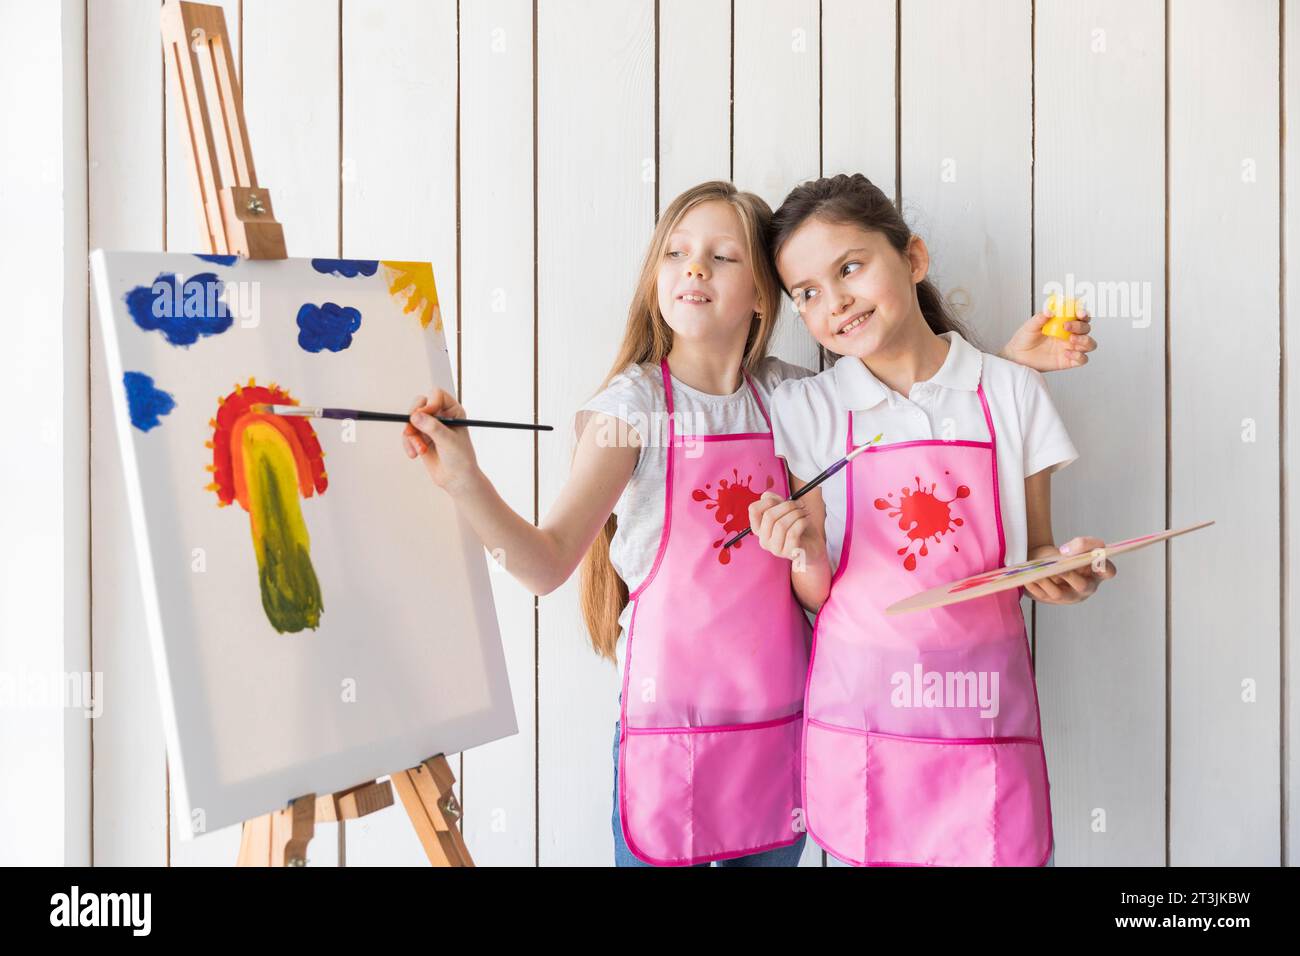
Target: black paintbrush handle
[361, 416]
[798, 494]
[481, 423]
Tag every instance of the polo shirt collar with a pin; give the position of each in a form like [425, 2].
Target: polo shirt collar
[858, 389]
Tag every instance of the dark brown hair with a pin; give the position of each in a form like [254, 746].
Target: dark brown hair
[858, 201]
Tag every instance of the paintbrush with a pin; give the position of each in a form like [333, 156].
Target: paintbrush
[817, 481]
[356, 414]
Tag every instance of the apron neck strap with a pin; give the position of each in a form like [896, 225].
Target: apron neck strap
[668, 391]
[668, 385]
[988, 417]
[984, 404]
[758, 398]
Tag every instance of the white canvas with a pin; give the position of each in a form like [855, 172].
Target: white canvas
[399, 658]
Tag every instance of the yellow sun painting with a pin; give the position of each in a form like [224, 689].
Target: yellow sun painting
[414, 280]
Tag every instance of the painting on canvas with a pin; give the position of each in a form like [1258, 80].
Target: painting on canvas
[319, 614]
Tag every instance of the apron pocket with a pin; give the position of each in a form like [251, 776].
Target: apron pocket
[957, 803]
[835, 799]
[705, 794]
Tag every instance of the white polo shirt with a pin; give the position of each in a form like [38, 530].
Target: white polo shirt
[809, 418]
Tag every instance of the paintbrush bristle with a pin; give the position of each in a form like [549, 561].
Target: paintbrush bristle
[863, 447]
[299, 410]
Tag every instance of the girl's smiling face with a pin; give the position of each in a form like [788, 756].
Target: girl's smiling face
[855, 291]
[706, 283]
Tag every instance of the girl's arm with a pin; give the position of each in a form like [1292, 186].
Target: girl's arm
[540, 558]
[1046, 353]
[796, 531]
[1073, 586]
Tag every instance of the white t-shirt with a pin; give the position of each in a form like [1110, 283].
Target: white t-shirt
[636, 395]
[809, 417]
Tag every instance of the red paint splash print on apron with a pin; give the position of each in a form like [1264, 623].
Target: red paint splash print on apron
[923, 515]
[731, 501]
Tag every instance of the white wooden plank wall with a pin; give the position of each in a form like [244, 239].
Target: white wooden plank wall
[526, 147]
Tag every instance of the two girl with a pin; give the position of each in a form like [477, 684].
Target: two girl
[922, 743]
[712, 643]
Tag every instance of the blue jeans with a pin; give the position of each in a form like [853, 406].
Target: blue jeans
[836, 861]
[781, 856]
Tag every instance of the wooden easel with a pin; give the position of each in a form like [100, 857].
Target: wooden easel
[237, 218]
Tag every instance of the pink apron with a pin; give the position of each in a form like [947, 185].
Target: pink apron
[922, 743]
[716, 659]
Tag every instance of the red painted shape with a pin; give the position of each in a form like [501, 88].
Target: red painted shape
[237, 406]
[922, 515]
[731, 506]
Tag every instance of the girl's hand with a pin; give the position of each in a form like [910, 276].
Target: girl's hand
[1046, 353]
[786, 528]
[1073, 586]
[447, 451]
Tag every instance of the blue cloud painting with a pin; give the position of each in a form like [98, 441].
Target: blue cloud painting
[348, 268]
[146, 401]
[181, 311]
[327, 326]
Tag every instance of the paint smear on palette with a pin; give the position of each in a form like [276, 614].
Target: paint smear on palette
[182, 310]
[1001, 573]
[219, 260]
[327, 326]
[412, 283]
[146, 402]
[264, 462]
[347, 268]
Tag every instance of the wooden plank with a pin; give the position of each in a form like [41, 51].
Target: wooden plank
[44, 595]
[1224, 222]
[1098, 224]
[966, 153]
[694, 94]
[595, 116]
[777, 110]
[1291, 437]
[291, 105]
[124, 93]
[399, 201]
[859, 54]
[497, 359]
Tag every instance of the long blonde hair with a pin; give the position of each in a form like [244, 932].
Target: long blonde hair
[648, 338]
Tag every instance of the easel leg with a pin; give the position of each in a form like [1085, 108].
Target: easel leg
[429, 798]
[280, 838]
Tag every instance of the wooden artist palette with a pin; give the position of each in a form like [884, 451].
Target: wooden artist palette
[1018, 575]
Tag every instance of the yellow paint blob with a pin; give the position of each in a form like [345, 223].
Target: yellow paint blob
[290, 591]
[1062, 310]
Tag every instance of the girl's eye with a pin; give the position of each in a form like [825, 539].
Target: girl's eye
[850, 268]
[809, 294]
[723, 258]
[674, 254]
